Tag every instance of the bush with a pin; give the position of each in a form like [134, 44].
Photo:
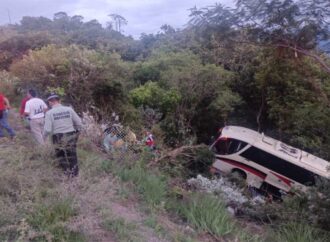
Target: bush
[143, 74]
[201, 161]
[8, 85]
[188, 161]
[308, 213]
[88, 78]
[319, 204]
[152, 95]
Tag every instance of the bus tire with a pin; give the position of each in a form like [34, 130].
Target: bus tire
[239, 173]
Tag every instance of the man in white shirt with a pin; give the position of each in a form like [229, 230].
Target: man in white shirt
[35, 109]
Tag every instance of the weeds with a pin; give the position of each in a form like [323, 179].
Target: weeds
[151, 186]
[207, 213]
[51, 220]
[47, 215]
[123, 230]
[183, 238]
[294, 232]
[151, 221]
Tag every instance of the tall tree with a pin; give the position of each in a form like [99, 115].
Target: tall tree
[119, 21]
[295, 26]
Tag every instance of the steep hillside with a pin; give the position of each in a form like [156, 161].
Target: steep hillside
[39, 203]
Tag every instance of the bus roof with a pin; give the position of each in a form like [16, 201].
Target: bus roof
[279, 149]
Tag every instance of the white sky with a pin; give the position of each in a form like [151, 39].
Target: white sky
[143, 16]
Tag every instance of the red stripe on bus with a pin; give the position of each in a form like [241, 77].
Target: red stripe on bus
[246, 168]
[285, 180]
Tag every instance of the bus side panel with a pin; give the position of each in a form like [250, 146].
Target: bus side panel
[254, 177]
[278, 181]
[223, 167]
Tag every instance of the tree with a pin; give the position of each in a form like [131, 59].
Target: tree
[119, 21]
[35, 23]
[79, 72]
[206, 97]
[167, 29]
[153, 96]
[293, 26]
[61, 21]
[14, 47]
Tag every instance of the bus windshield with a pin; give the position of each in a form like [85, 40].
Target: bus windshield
[227, 146]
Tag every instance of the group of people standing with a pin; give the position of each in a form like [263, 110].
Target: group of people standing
[60, 122]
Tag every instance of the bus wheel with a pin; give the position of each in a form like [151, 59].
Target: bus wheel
[239, 174]
[238, 177]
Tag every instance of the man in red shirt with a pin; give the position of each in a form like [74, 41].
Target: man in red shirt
[4, 107]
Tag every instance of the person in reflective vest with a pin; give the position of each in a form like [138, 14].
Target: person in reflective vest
[64, 124]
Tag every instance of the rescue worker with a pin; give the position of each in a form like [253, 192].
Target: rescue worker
[64, 124]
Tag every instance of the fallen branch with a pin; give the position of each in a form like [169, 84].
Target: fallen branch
[181, 151]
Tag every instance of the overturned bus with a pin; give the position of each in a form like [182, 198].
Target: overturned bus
[264, 161]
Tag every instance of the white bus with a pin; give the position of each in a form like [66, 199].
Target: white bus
[263, 160]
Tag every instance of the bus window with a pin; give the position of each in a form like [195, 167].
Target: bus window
[280, 166]
[225, 146]
[220, 147]
[235, 146]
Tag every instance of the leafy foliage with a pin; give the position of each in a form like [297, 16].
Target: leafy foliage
[257, 65]
[82, 73]
[152, 95]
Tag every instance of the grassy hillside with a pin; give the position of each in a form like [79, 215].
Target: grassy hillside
[121, 198]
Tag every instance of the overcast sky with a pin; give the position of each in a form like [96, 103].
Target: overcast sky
[143, 16]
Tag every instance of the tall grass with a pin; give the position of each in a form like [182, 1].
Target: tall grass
[123, 230]
[50, 220]
[299, 232]
[151, 186]
[208, 213]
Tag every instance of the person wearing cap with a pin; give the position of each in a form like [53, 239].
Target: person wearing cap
[64, 124]
[35, 109]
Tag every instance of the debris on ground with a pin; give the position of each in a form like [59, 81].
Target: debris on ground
[224, 188]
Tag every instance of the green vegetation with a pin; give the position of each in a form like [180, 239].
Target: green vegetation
[151, 186]
[209, 214]
[123, 230]
[32, 207]
[298, 232]
[150, 183]
[229, 66]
